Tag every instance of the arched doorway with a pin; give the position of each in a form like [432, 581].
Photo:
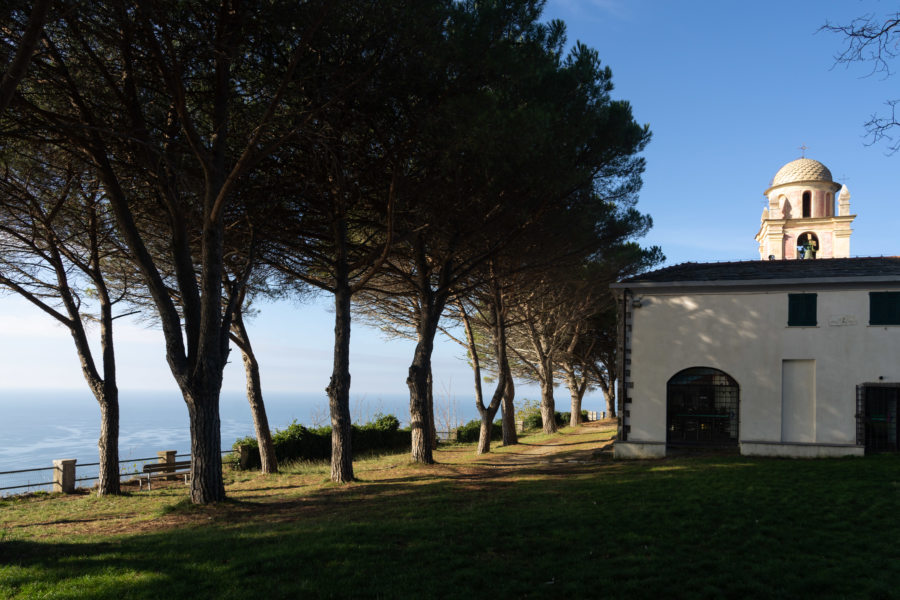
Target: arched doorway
[702, 408]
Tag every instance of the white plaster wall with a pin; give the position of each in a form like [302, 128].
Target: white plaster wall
[798, 400]
[746, 335]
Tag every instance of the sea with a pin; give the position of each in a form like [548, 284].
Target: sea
[37, 427]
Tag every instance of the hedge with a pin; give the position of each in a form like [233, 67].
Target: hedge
[471, 430]
[535, 421]
[297, 442]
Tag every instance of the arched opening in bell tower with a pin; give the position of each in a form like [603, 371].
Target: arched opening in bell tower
[807, 204]
[807, 245]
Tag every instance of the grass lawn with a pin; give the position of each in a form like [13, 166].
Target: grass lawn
[550, 518]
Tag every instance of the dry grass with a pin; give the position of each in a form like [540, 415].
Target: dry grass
[299, 489]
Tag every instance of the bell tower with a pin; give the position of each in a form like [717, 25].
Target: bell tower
[799, 220]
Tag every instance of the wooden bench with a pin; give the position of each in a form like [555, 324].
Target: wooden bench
[164, 470]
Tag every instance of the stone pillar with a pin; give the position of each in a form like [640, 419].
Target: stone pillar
[167, 457]
[64, 475]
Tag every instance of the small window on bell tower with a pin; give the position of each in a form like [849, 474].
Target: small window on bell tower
[807, 204]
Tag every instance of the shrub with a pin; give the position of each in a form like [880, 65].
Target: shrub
[529, 412]
[297, 442]
[470, 431]
[385, 422]
[383, 433]
[534, 420]
[565, 418]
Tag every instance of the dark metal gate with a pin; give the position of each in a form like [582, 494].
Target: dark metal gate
[702, 408]
[876, 414]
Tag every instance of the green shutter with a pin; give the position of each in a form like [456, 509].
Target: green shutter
[884, 308]
[802, 310]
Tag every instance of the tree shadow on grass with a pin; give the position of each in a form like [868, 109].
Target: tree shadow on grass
[755, 528]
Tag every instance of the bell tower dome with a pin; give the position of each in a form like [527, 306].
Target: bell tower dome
[799, 220]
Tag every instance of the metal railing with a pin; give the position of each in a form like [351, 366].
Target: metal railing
[27, 485]
[42, 484]
[446, 436]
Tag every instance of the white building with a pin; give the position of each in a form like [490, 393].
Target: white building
[780, 357]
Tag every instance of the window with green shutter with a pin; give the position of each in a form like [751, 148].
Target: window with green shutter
[884, 308]
[802, 310]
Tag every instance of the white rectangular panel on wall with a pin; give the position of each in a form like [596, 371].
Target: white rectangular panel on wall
[798, 401]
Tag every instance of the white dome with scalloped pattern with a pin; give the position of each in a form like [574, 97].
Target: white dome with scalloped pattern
[802, 169]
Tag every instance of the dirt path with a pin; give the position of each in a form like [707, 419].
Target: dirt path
[589, 443]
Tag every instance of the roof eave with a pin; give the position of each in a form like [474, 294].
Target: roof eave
[771, 282]
[835, 186]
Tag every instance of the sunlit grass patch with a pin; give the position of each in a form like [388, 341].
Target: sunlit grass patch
[305, 467]
[665, 468]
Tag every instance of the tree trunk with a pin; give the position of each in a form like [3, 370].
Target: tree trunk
[108, 444]
[548, 405]
[211, 343]
[207, 485]
[611, 398]
[548, 409]
[421, 417]
[487, 417]
[429, 411]
[608, 386]
[107, 391]
[576, 394]
[417, 381]
[510, 435]
[575, 413]
[268, 462]
[339, 387]
[487, 425]
[498, 334]
[488, 413]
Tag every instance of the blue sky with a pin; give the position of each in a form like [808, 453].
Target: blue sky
[731, 90]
